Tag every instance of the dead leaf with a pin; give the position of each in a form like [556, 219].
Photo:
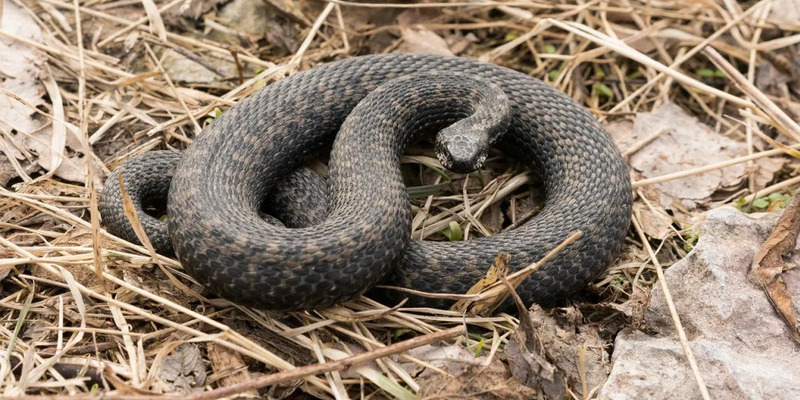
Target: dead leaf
[777, 70]
[7, 171]
[417, 40]
[4, 271]
[492, 218]
[29, 136]
[778, 75]
[556, 347]
[529, 365]
[20, 70]
[192, 9]
[291, 8]
[765, 170]
[476, 382]
[184, 370]
[458, 43]
[183, 69]
[687, 143]
[498, 269]
[260, 19]
[229, 364]
[470, 377]
[768, 264]
[656, 223]
[152, 280]
[785, 12]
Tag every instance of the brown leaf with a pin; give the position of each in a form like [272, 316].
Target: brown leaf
[656, 222]
[785, 12]
[417, 40]
[498, 269]
[686, 143]
[20, 70]
[528, 363]
[229, 364]
[768, 264]
[469, 377]
[184, 370]
[555, 349]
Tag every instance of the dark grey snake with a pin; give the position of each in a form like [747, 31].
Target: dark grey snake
[373, 106]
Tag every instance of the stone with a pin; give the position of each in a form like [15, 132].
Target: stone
[743, 348]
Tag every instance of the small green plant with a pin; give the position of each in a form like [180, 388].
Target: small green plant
[510, 36]
[453, 233]
[773, 202]
[554, 73]
[709, 73]
[213, 115]
[617, 283]
[399, 333]
[602, 90]
[479, 347]
[635, 74]
[690, 238]
[95, 388]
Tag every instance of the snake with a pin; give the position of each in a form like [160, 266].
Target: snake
[354, 228]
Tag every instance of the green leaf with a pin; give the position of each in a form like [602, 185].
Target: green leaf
[399, 332]
[704, 73]
[598, 72]
[510, 36]
[549, 49]
[554, 74]
[601, 89]
[213, 115]
[617, 283]
[479, 347]
[709, 73]
[776, 197]
[635, 74]
[454, 233]
[95, 388]
[761, 203]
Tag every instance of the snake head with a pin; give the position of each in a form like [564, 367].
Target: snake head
[462, 149]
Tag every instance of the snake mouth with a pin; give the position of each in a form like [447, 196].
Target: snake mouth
[462, 165]
[459, 152]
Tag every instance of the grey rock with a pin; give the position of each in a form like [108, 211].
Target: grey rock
[743, 348]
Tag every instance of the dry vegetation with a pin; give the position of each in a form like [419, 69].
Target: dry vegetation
[82, 308]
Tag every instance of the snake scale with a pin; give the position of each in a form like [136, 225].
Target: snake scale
[373, 106]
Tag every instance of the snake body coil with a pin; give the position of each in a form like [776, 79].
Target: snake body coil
[377, 104]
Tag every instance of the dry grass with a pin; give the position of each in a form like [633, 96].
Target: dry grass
[75, 295]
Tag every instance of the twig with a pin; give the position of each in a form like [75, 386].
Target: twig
[769, 107]
[297, 373]
[710, 167]
[673, 312]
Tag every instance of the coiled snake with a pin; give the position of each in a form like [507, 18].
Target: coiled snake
[373, 106]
